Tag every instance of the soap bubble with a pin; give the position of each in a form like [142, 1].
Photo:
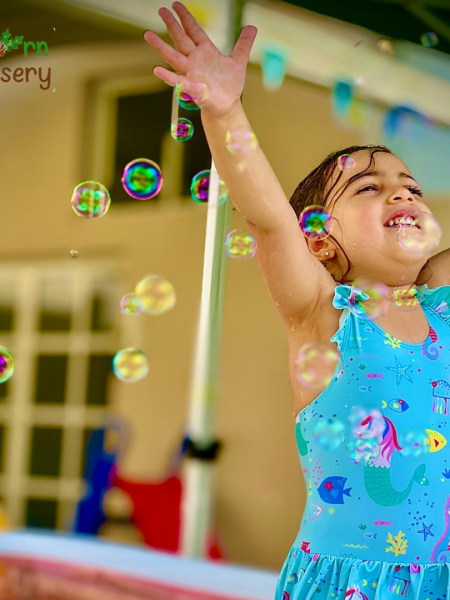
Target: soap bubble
[130, 365]
[346, 162]
[315, 222]
[358, 449]
[420, 238]
[429, 39]
[366, 422]
[198, 94]
[240, 244]
[74, 253]
[377, 304]
[6, 364]
[200, 187]
[130, 305]
[241, 140]
[182, 130]
[329, 433]
[406, 299]
[142, 179]
[90, 200]
[414, 443]
[156, 295]
[315, 364]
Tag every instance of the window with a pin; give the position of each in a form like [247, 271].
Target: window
[59, 322]
[130, 118]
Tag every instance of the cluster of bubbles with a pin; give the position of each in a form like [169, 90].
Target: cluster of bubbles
[240, 245]
[141, 179]
[130, 365]
[429, 39]
[200, 187]
[315, 365]
[155, 296]
[420, 238]
[6, 364]
[315, 222]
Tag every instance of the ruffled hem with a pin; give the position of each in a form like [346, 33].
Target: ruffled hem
[307, 576]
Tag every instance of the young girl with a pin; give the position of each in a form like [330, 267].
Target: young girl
[376, 525]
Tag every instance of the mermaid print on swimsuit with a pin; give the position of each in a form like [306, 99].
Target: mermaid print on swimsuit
[376, 524]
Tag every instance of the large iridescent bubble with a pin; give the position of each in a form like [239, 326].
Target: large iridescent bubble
[130, 365]
[420, 235]
[182, 130]
[198, 94]
[90, 200]
[378, 301]
[142, 179]
[200, 188]
[6, 364]
[156, 295]
[315, 364]
[315, 222]
[239, 244]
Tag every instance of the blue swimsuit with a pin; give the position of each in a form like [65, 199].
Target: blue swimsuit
[376, 521]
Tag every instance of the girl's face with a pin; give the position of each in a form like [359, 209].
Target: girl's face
[362, 213]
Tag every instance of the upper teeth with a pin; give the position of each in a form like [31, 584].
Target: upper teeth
[405, 221]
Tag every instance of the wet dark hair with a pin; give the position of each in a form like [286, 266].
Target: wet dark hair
[312, 189]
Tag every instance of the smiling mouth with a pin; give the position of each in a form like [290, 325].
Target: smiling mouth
[407, 222]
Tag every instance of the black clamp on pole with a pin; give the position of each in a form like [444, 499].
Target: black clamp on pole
[207, 452]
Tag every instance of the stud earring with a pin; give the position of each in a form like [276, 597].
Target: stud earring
[327, 253]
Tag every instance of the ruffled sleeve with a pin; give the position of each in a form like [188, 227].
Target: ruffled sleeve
[437, 299]
[349, 299]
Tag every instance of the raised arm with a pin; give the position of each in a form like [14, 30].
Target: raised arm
[293, 276]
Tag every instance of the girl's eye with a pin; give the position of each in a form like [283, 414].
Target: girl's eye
[368, 188]
[372, 187]
[415, 190]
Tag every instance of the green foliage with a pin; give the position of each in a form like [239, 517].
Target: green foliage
[10, 43]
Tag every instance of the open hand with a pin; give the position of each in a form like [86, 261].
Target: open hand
[196, 59]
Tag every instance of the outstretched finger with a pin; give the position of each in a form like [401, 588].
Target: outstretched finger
[172, 57]
[190, 25]
[243, 46]
[183, 42]
[167, 76]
